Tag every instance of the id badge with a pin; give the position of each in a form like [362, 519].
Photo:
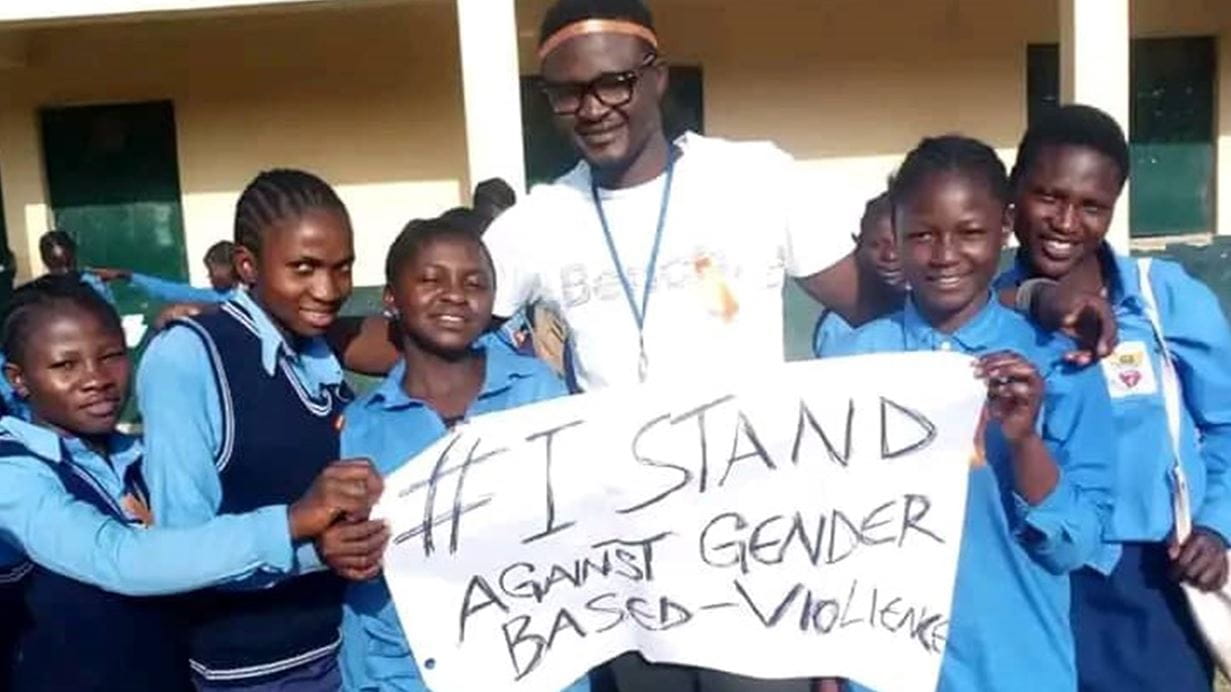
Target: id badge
[1129, 371]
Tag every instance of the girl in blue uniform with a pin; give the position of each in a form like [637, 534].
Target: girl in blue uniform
[1133, 627]
[73, 506]
[1038, 497]
[241, 409]
[440, 290]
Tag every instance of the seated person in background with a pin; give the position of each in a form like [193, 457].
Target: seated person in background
[440, 288]
[1039, 493]
[876, 252]
[219, 263]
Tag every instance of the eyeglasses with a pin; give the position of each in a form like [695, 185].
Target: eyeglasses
[612, 89]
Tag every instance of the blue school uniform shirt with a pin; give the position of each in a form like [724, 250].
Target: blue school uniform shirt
[1199, 338]
[1009, 623]
[182, 417]
[830, 328]
[42, 522]
[176, 292]
[389, 427]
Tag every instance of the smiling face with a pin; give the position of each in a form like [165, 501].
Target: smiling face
[609, 137]
[1065, 203]
[877, 251]
[951, 230]
[302, 276]
[73, 370]
[444, 294]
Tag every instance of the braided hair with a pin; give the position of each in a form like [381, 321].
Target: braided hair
[279, 195]
[949, 154]
[45, 296]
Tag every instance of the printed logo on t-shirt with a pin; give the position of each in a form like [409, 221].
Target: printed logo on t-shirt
[1129, 372]
[716, 292]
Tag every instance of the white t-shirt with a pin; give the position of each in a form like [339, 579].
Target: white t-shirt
[740, 218]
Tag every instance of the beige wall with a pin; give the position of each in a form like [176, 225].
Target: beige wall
[369, 98]
[848, 86]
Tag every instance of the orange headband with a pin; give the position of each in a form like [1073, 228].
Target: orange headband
[597, 26]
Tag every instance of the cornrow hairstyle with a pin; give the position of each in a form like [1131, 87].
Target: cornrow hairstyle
[876, 208]
[279, 195]
[566, 12]
[45, 296]
[949, 154]
[420, 233]
[221, 252]
[55, 239]
[1073, 125]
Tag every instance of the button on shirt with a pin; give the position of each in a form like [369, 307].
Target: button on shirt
[1199, 338]
[389, 427]
[40, 520]
[182, 416]
[740, 218]
[176, 292]
[1009, 624]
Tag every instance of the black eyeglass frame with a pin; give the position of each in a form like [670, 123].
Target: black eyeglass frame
[627, 80]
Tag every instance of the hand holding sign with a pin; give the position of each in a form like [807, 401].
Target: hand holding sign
[804, 521]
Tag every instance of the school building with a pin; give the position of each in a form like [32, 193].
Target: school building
[134, 124]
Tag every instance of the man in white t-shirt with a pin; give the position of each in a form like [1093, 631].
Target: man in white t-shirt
[731, 221]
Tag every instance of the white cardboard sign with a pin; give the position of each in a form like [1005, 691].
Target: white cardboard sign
[798, 521]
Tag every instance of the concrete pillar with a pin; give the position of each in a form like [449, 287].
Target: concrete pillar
[491, 90]
[1094, 70]
[1222, 155]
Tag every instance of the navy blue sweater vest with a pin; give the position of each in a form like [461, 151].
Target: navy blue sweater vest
[74, 636]
[276, 439]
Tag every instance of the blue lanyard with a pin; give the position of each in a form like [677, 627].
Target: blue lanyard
[638, 312]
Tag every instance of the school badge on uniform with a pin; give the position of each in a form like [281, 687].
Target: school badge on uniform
[1129, 371]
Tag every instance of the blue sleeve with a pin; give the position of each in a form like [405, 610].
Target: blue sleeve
[100, 287]
[72, 538]
[1200, 340]
[175, 292]
[1068, 524]
[182, 423]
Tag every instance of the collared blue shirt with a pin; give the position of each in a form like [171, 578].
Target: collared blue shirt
[1199, 338]
[182, 417]
[389, 427]
[176, 292]
[830, 328]
[40, 520]
[1009, 624]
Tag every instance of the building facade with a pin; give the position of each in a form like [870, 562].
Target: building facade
[134, 124]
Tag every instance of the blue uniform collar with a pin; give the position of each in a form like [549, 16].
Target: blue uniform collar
[980, 333]
[45, 443]
[502, 369]
[315, 355]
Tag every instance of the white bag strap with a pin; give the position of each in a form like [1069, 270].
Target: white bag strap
[1180, 503]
